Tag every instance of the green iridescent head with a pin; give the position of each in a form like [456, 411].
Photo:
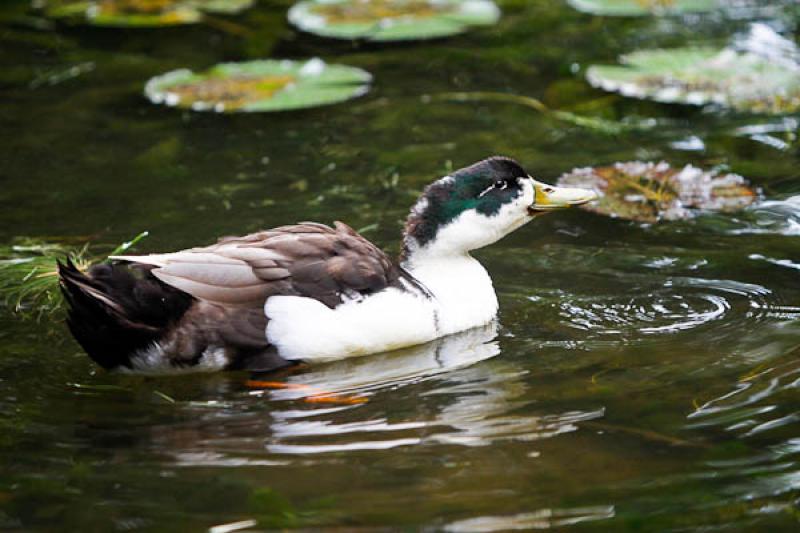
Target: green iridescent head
[479, 204]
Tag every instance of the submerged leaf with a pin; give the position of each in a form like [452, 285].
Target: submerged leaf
[596, 124]
[754, 79]
[391, 20]
[643, 7]
[651, 192]
[269, 85]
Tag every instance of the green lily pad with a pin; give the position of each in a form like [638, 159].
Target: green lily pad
[141, 13]
[224, 7]
[58, 9]
[632, 8]
[653, 192]
[391, 20]
[745, 81]
[257, 86]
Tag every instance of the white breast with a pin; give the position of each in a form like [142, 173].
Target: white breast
[304, 328]
[462, 288]
[463, 297]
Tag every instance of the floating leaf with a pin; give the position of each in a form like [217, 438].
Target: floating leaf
[225, 7]
[650, 192]
[268, 85]
[67, 8]
[623, 8]
[142, 13]
[745, 81]
[391, 20]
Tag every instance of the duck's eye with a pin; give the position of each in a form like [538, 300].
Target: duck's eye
[500, 184]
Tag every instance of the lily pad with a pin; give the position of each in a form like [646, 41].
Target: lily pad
[142, 13]
[653, 192]
[257, 86]
[745, 81]
[632, 8]
[391, 20]
[225, 7]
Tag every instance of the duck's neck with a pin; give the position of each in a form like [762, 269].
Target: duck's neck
[461, 288]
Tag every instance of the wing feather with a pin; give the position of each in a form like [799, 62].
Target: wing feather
[306, 259]
[250, 295]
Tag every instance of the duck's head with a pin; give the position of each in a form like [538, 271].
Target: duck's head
[478, 205]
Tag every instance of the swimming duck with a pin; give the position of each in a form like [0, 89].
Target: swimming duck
[309, 292]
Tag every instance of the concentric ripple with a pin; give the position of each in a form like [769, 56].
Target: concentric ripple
[641, 310]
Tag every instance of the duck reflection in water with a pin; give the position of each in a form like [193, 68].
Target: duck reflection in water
[462, 394]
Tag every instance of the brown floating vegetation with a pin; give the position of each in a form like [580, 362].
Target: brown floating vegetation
[653, 192]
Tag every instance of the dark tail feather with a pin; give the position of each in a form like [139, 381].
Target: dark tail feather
[108, 313]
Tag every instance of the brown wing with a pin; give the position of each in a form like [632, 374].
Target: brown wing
[307, 259]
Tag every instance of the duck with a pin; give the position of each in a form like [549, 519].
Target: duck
[308, 292]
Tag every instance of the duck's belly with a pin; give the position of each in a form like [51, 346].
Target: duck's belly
[304, 328]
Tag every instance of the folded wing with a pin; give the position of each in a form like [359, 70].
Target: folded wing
[331, 265]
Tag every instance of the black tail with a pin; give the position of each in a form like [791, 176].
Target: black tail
[117, 310]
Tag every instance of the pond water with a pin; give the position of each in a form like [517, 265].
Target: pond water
[640, 377]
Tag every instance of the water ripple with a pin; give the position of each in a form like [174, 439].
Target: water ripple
[676, 304]
[779, 217]
[752, 406]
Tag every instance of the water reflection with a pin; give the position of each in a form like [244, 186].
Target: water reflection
[469, 406]
[452, 395]
[542, 519]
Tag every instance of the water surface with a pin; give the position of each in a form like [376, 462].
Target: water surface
[638, 378]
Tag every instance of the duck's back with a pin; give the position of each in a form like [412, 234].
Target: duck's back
[203, 308]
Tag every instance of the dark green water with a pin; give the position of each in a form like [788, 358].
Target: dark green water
[642, 377]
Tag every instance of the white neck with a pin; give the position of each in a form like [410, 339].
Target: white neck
[461, 288]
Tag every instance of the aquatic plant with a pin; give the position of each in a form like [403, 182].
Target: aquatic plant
[596, 124]
[391, 20]
[652, 192]
[257, 86]
[761, 75]
[29, 273]
[143, 13]
[644, 7]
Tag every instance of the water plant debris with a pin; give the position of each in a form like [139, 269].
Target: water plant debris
[391, 20]
[653, 192]
[29, 274]
[259, 86]
[596, 124]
